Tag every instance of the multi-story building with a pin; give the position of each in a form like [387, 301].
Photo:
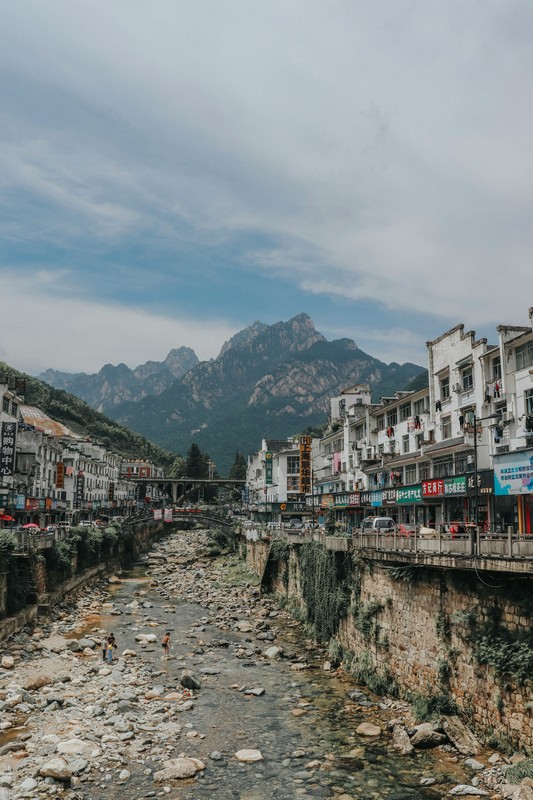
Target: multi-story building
[460, 449]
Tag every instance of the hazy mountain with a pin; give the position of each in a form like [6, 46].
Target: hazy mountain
[113, 385]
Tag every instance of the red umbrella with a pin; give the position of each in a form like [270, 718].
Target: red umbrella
[7, 518]
[30, 525]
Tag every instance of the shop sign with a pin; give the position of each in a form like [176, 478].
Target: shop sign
[376, 499]
[305, 464]
[434, 488]
[327, 500]
[8, 439]
[268, 468]
[60, 475]
[354, 499]
[48, 503]
[20, 502]
[290, 507]
[366, 498]
[485, 482]
[158, 513]
[513, 473]
[31, 504]
[389, 497]
[409, 494]
[79, 490]
[453, 486]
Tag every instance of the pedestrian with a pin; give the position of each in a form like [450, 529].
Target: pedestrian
[104, 648]
[111, 647]
[165, 644]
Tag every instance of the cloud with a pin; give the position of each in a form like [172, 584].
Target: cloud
[44, 327]
[380, 152]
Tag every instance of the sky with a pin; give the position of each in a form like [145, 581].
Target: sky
[172, 171]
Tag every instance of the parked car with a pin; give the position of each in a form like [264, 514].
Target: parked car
[404, 529]
[296, 524]
[377, 525]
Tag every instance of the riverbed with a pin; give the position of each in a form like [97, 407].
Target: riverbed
[289, 707]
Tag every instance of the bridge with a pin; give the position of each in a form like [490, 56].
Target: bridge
[180, 489]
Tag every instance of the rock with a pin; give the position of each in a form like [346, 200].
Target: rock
[189, 680]
[401, 741]
[463, 790]
[460, 736]
[28, 785]
[425, 735]
[216, 755]
[56, 768]
[248, 756]
[8, 662]
[367, 729]
[72, 747]
[124, 775]
[148, 638]
[177, 769]
[87, 643]
[256, 692]
[471, 763]
[273, 652]
[55, 644]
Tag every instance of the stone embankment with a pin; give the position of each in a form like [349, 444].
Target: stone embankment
[74, 726]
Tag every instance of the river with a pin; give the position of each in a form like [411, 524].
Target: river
[296, 713]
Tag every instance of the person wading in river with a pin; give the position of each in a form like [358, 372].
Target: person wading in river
[165, 644]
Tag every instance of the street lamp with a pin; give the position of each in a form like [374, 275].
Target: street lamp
[476, 488]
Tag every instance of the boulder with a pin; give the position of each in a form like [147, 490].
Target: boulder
[273, 652]
[189, 680]
[460, 736]
[178, 769]
[401, 741]
[367, 729]
[8, 662]
[463, 790]
[56, 768]
[425, 735]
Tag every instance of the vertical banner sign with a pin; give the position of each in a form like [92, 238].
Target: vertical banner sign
[79, 490]
[7, 448]
[111, 491]
[305, 464]
[268, 468]
[60, 476]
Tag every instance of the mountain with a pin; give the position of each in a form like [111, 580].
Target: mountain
[268, 380]
[113, 385]
[84, 420]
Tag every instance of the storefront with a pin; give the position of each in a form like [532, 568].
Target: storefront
[513, 477]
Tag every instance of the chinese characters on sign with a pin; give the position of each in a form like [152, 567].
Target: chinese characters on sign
[79, 490]
[305, 464]
[60, 475]
[7, 448]
[268, 468]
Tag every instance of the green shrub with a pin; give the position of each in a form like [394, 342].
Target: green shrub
[326, 586]
[427, 707]
[517, 773]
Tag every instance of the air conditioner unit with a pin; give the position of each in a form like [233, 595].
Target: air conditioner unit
[507, 416]
[456, 387]
[501, 448]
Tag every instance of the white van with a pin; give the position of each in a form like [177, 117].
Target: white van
[377, 525]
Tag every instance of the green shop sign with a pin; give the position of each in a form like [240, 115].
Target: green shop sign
[268, 468]
[409, 494]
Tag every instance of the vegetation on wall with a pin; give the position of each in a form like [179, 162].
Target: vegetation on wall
[326, 578]
[18, 583]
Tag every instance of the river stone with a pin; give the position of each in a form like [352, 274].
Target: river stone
[367, 729]
[87, 643]
[148, 638]
[462, 790]
[74, 646]
[55, 644]
[72, 747]
[401, 741]
[177, 769]
[189, 680]
[471, 763]
[28, 785]
[460, 736]
[273, 652]
[248, 756]
[56, 768]
[425, 735]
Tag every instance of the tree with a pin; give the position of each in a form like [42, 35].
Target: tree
[238, 470]
[330, 522]
[178, 467]
[196, 464]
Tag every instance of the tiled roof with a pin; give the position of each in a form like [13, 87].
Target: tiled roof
[32, 415]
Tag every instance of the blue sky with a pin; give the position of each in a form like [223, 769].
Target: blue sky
[173, 171]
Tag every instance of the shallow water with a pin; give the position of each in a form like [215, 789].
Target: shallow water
[304, 725]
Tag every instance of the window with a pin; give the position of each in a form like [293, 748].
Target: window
[446, 427]
[467, 378]
[293, 483]
[496, 368]
[405, 443]
[410, 473]
[5, 405]
[528, 401]
[380, 422]
[444, 387]
[405, 411]
[524, 355]
[293, 465]
[419, 407]
[359, 432]
[423, 471]
[442, 467]
[392, 418]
